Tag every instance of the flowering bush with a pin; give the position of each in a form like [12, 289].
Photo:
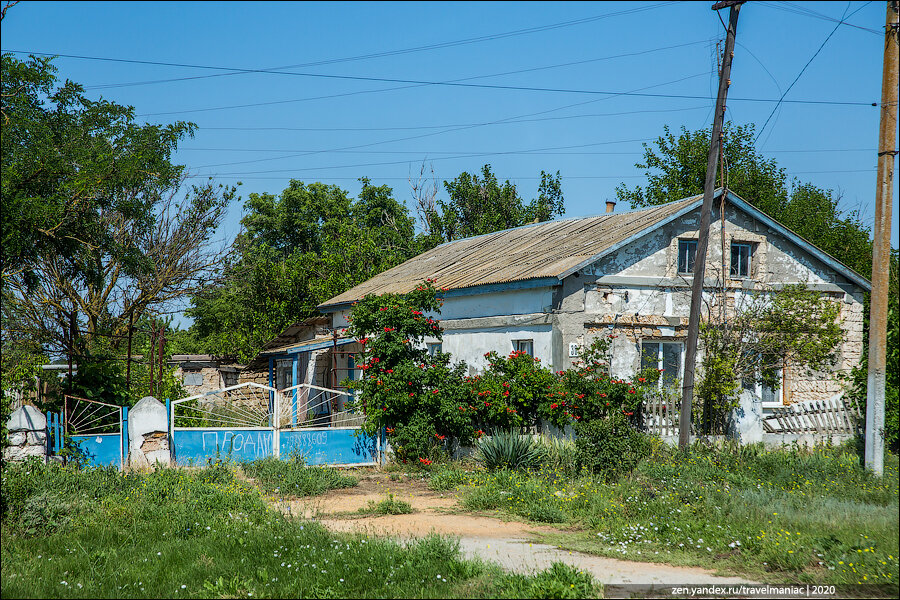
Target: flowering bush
[419, 399]
[588, 393]
[511, 391]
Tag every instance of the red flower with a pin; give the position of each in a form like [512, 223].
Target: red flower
[440, 437]
[642, 379]
[435, 391]
[389, 371]
[411, 394]
[390, 430]
[387, 329]
[554, 405]
[425, 461]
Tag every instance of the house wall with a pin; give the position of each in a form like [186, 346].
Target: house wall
[636, 293]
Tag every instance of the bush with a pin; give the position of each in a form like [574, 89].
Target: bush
[389, 506]
[559, 581]
[509, 450]
[610, 447]
[294, 477]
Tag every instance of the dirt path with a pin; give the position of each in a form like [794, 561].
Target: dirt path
[508, 543]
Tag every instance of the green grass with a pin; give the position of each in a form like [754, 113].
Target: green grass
[294, 478]
[791, 515]
[389, 506]
[204, 533]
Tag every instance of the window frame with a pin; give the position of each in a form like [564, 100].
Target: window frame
[524, 342]
[749, 260]
[660, 359]
[690, 257]
[434, 348]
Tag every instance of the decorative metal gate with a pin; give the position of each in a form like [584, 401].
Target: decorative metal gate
[250, 421]
[98, 431]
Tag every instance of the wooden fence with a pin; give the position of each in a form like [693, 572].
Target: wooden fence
[835, 415]
[660, 416]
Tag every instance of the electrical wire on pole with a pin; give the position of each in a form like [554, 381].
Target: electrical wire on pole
[699, 273]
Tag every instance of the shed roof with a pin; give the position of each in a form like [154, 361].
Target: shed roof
[536, 251]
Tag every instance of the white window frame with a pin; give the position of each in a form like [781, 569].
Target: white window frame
[660, 360]
[757, 389]
[526, 346]
[434, 347]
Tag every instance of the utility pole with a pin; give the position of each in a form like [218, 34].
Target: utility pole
[687, 390]
[881, 251]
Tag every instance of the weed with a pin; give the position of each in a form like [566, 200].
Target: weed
[389, 506]
[294, 477]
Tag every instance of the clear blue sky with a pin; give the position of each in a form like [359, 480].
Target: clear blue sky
[264, 128]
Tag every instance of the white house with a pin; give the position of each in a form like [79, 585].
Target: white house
[552, 287]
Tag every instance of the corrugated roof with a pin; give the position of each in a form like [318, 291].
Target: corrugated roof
[531, 252]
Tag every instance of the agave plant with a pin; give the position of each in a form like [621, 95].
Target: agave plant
[509, 450]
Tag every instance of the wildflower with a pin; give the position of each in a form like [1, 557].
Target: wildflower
[424, 461]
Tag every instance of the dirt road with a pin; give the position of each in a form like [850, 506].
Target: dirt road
[508, 543]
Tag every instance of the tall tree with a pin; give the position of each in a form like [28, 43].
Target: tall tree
[479, 205]
[676, 168]
[96, 231]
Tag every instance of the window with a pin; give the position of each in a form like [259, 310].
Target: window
[687, 251]
[526, 346]
[771, 395]
[665, 357]
[435, 348]
[193, 378]
[740, 259]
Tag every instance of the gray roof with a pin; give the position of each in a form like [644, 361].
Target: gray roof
[549, 249]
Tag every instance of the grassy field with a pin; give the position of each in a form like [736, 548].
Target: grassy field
[205, 533]
[790, 515]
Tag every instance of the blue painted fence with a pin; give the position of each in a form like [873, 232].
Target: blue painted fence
[321, 446]
[329, 446]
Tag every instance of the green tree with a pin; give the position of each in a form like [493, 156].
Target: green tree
[479, 205]
[298, 249]
[676, 169]
[96, 229]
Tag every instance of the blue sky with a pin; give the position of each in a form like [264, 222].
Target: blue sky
[304, 122]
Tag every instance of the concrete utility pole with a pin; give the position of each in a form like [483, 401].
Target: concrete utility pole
[881, 252]
[687, 390]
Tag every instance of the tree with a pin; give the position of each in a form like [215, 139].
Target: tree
[96, 231]
[751, 342]
[482, 205]
[297, 250]
[676, 169]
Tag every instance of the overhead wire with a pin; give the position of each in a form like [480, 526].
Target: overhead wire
[803, 70]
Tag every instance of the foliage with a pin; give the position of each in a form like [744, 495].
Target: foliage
[100, 533]
[610, 447]
[389, 506]
[587, 392]
[771, 328]
[860, 373]
[96, 233]
[419, 399]
[676, 169]
[509, 450]
[294, 478]
[482, 205]
[511, 392]
[787, 515]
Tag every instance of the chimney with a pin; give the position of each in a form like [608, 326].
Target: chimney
[610, 206]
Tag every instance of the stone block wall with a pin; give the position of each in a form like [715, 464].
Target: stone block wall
[27, 434]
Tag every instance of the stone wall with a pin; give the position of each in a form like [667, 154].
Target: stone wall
[148, 434]
[27, 434]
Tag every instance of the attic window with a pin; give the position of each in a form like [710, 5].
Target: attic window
[741, 254]
[687, 251]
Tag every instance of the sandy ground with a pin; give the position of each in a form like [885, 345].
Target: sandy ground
[508, 543]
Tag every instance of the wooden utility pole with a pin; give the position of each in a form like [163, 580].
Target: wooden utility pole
[687, 390]
[881, 251]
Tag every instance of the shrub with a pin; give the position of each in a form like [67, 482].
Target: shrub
[294, 477]
[610, 447]
[389, 506]
[509, 450]
[559, 581]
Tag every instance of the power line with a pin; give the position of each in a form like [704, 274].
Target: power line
[419, 127]
[803, 70]
[406, 87]
[441, 45]
[427, 152]
[434, 83]
[802, 10]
